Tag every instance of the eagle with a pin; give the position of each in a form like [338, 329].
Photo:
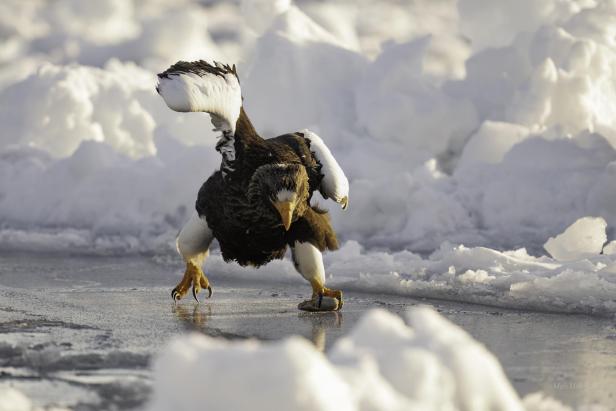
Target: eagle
[259, 202]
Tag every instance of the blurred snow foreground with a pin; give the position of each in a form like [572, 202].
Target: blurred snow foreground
[458, 122]
[382, 364]
[13, 400]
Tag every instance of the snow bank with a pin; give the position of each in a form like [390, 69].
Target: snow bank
[469, 157]
[58, 107]
[151, 32]
[539, 188]
[296, 95]
[383, 364]
[497, 23]
[511, 279]
[396, 100]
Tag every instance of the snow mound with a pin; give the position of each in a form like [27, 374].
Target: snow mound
[280, 98]
[584, 238]
[292, 373]
[13, 400]
[517, 202]
[497, 23]
[383, 364]
[58, 107]
[491, 142]
[395, 100]
[149, 32]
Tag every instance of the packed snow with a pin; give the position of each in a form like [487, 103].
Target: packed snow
[471, 137]
[383, 364]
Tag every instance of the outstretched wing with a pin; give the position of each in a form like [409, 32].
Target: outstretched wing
[334, 184]
[201, 86]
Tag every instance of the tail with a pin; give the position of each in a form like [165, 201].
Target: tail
[201, 86]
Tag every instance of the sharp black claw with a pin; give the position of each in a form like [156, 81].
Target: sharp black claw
[174, 294]
[195, 294]
[210, 291]
[320, 301]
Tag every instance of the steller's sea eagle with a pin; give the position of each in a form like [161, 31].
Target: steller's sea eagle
[258, 203]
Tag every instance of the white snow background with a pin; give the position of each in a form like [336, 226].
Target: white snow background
[472, 133]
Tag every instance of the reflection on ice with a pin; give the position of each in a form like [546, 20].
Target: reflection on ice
[195, 319]
[320, 322]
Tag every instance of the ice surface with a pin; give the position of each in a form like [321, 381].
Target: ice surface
[78, 331]
[383, 364]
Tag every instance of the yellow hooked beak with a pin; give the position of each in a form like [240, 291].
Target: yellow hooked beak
[285, 209]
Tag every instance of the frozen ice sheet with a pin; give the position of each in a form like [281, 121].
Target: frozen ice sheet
[85, 328]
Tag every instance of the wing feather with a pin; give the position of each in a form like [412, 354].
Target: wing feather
[203, 87]
[334, 185]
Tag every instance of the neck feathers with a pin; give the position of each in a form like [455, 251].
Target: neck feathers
[244, 130]
[234, 146]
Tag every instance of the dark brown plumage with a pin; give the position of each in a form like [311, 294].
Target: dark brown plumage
[238, 206]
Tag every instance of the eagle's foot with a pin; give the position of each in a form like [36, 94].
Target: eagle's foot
[323, 299]
[337, 294]
[193, 276]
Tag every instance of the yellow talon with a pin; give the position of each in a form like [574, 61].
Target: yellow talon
[192, 276]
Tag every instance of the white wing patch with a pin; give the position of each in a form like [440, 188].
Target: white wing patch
[334, 184]
[219, 95]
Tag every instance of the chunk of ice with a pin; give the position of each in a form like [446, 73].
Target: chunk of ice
[582, 239]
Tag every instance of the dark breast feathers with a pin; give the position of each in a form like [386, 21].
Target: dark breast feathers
[251, 233]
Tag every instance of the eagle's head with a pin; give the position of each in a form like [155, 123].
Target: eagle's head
[283, 187]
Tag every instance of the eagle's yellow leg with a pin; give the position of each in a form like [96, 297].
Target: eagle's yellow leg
[192, 276]
[193, 243]
[308, 262]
